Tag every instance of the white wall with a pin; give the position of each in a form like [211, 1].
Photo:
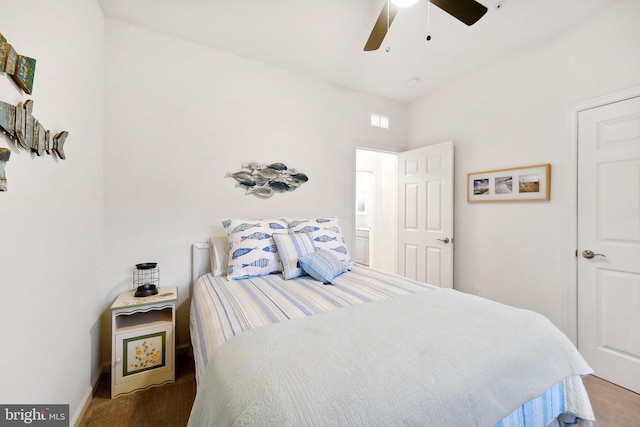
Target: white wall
[181, 115]
[52, 215]
[518, 112]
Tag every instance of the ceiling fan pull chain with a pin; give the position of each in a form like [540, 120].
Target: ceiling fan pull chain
[388, 48]
[428, 20]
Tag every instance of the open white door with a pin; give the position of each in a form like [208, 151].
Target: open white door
[609, 241]
[425, 214]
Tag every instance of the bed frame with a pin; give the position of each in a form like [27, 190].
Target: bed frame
[200, 259]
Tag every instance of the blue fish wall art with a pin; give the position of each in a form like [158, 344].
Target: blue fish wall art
[265, 180]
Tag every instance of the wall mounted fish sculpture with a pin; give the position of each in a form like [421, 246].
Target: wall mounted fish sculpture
[22, 69]
[265, 180]
[5, 153]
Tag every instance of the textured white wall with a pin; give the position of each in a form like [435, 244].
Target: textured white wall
[180, 115]
[518, 112]
[52, 215]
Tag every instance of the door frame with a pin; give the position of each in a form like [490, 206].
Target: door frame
[390, 151]
[572, 179]
[373, 207]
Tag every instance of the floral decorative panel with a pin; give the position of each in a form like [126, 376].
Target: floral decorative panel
[144, 353]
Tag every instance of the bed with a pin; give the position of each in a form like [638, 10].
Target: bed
[368, 348]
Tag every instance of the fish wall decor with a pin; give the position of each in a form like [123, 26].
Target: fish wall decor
[22, 69]
[265, 180]
[17, 121]
[5, 153]
[27, 132]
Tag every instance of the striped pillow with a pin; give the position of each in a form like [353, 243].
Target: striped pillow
[290, 248]
[322, 265]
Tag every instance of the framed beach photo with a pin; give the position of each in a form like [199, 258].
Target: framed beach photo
[525, 183]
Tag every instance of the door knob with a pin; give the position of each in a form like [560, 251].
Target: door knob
[445, 240]
[588, 254]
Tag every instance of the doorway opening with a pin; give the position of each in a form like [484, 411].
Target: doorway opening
[376, 215]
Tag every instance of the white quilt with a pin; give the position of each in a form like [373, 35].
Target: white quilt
[436, 358]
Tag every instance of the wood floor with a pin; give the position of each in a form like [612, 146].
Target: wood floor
[613, 406]
[170, 404]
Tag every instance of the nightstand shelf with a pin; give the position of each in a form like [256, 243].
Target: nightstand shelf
[143, 346]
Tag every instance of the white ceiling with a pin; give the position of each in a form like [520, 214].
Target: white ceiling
[325, 39]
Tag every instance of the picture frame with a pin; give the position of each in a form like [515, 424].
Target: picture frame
[518, 184]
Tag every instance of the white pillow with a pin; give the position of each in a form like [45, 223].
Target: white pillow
[219, 255]
[326, 235]
[291, 247]
[252, 251]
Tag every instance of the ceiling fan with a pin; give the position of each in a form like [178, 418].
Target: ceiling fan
[467, 11]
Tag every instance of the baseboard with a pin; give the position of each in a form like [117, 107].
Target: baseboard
[82, 409]
[88, 396]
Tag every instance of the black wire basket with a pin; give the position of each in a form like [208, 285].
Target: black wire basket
[146, 279]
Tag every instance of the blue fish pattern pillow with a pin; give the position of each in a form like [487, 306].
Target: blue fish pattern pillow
[252, 251]
[326, 234]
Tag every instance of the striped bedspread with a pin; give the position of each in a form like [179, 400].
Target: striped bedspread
[223, 308]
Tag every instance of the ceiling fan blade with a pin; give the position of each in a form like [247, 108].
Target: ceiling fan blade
[380, 27]
[467, 11]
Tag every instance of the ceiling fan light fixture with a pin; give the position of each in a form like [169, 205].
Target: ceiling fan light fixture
[404, 3]
[466, 11]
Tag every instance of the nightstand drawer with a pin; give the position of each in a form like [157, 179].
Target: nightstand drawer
[143, 353]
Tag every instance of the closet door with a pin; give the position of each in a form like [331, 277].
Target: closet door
[609, 241]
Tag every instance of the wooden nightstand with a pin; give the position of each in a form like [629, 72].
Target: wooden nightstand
[142, 341]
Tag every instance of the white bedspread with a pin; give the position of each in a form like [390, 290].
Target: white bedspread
[436, 358]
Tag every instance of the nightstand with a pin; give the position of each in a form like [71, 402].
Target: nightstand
[142, 341]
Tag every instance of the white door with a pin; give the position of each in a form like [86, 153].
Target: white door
[609, 241]
[425, 214]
